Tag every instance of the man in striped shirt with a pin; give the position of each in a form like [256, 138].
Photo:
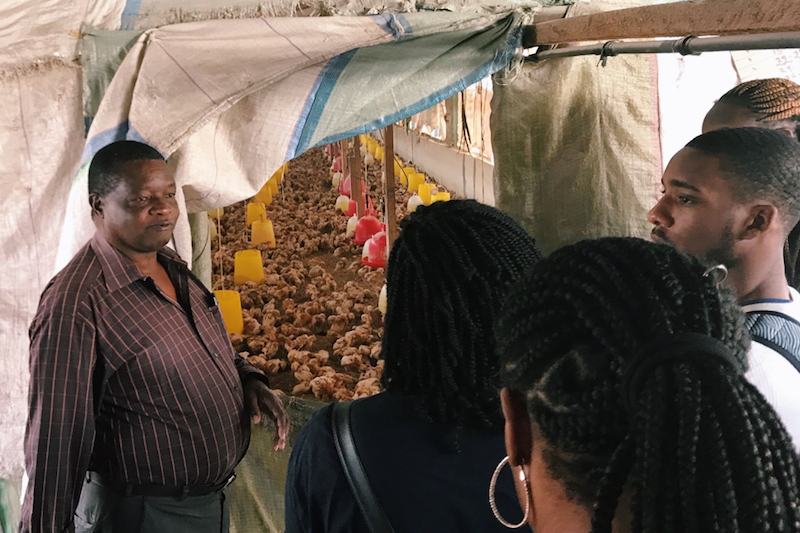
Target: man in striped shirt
[139, 407]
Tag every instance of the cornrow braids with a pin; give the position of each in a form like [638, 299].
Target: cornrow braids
[772, 98]
[447, 274]
[701, 450]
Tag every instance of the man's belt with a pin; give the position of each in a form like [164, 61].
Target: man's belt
[160, 491]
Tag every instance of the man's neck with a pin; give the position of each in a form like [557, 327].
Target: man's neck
[146, 262]
[759, 280]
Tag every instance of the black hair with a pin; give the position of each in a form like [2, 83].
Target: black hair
[447, 273]
[763, 163]
[774, 100]
[105, 169]
[702, 450]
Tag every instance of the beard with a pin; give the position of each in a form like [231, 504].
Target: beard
[723, 251]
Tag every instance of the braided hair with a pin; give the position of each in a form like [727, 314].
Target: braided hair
[701, 449]
[771, 99]
[447, 273]
[774, 100]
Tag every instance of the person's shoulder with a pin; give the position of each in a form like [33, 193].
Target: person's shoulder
[314, 445]
[318, 426]
[779, 382]
[71, 287]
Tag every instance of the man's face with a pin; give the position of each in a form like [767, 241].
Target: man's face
[697, 214]
[140, 214]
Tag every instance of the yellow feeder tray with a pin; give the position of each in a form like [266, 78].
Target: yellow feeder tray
[216, 214]
[272, 184]
[255, 211]
[247, 266]
[424, 191]
[414, 181]
[379, 154]
[230, 304]
[263, 232]
[440, 197]
[264, 195]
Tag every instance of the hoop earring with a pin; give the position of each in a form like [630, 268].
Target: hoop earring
[493, 503]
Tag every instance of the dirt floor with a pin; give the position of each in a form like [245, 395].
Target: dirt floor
[313, 323]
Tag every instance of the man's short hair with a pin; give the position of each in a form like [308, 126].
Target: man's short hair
[764, 164]
[105, 168]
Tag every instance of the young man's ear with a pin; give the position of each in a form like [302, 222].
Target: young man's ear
[96, 203]
[518, 431]
[760, 218]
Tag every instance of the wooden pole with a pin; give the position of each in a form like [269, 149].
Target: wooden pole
[355, 178]
[389, 186]
[345, 155]
[679, 19]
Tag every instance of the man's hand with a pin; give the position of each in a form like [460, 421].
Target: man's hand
[259, 398]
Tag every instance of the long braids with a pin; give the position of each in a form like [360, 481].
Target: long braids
[448, 269]
[774, 100]
[700, 449]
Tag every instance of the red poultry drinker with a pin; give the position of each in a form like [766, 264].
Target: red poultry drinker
[337, 164]
[369, 208]
[375, 249]
[345, 186]
[366, 227]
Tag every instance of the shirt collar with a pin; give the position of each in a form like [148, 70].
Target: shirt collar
[118, 269]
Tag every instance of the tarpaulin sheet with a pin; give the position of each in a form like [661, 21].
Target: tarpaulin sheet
[228, 124]
[577, 148]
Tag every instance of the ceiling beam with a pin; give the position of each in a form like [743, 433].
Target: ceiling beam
[693, 17]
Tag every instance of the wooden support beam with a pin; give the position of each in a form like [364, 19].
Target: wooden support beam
[345, 156]
[389, 186]
[355, 178]
[679, 19]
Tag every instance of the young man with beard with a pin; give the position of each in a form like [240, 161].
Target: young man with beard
[731, 197]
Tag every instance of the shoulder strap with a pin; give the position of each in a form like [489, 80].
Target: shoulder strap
[354, 471]
[769, 334]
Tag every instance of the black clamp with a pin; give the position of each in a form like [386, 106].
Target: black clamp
[682, 46]
[605, 52]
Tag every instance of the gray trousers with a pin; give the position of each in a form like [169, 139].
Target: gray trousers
[104, 510]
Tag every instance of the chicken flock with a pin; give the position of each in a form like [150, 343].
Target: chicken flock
[313, 323]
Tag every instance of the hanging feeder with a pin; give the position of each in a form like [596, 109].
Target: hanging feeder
[346, 186]
[369, 208]
[366, 227]
[376, 251]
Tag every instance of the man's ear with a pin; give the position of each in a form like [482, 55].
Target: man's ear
[97, 204]
[518, 431]
[760, 219]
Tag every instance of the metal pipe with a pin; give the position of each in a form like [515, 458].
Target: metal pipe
[684, 46]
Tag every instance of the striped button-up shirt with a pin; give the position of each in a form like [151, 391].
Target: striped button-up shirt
[128, 383]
